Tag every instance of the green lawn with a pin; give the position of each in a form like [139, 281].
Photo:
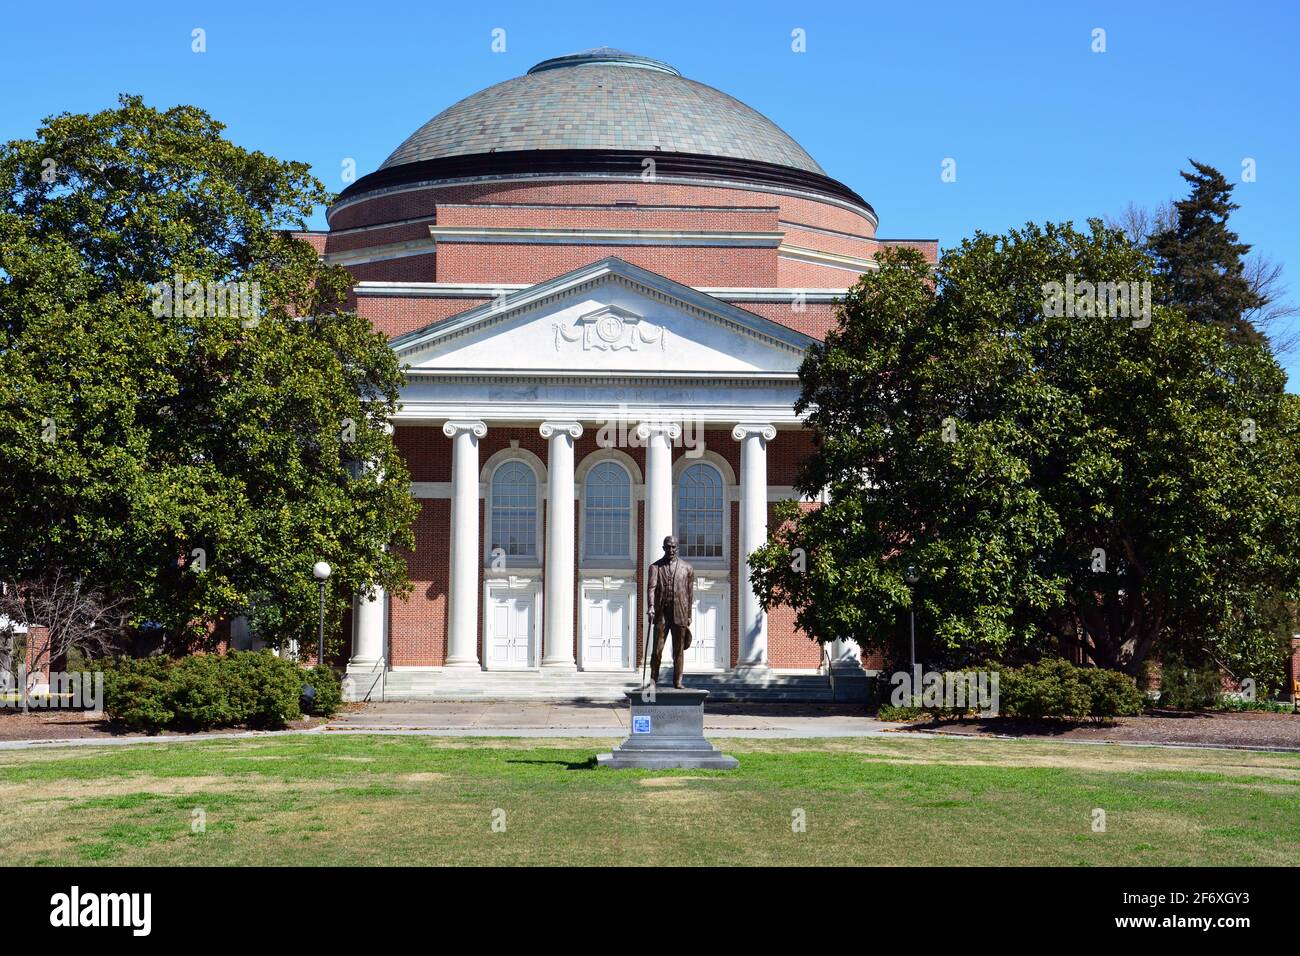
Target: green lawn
[334, 799]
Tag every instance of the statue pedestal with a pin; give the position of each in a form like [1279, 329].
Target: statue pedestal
[667, 732]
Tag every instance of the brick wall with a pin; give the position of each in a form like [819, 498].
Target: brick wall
[537, 262]
[394, 315]
[406, 215]
[421, 203]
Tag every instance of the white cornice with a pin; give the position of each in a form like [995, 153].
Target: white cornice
[603, 237]
[604, 376]
[392, 250]
[834, 260]
[490, 290]
[498, 414]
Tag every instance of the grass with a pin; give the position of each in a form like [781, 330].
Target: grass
[322, 799]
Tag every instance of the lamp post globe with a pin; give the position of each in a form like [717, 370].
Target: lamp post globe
[321, 571]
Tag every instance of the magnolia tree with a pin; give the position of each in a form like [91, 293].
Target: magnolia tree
[189, 417]
[1060, 459]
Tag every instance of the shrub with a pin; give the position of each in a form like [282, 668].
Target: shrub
[1056, 688]
[206, 690]
[1050, 688]
[1183, 687]
[136, 692]
[901, 714]
[199, 692]
[1113, 694]
[264, 689]
[1241, 704]
[329, 690]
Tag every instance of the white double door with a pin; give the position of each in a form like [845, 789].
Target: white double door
[608, 624]
[513, 609]
[710, 647]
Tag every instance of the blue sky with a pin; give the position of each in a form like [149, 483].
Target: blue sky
[1040, 126]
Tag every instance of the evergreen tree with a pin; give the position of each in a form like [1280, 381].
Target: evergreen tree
[1200, 261]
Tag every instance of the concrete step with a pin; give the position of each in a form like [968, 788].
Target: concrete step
[595, 686]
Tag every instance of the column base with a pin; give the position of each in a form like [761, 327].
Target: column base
[559, 666]
[757, 673]
[463, 663]
[364, 680]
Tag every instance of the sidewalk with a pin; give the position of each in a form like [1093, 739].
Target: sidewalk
[598, 719]
[500, 719]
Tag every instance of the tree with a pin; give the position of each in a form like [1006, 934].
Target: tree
[1200, 260]
[1139, 224]
[1275, 313]
[73, 616]
[1190, 242]
[1055, 471]
[189, 418]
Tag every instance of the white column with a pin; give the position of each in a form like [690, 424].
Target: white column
[658, 502]
[845, 655]
[753, 440]
[658, 485]
[462, 617]
[369, 613]
[558, 637]
[368, 609]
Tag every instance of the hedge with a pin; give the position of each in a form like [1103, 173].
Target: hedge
[252, 688]
[1058, 689]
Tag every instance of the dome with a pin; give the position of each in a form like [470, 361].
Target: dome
[603, 99]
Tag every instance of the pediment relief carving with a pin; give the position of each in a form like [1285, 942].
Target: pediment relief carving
[610, 329]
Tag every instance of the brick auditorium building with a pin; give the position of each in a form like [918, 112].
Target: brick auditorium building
[601, 277]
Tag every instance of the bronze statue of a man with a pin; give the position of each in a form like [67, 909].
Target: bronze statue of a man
[670, 596]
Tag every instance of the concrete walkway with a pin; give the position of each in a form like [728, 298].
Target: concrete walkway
[527, 719]
[598, 719]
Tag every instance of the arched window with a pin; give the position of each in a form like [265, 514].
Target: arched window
[607, 500]
[699, 512]
[514, 510]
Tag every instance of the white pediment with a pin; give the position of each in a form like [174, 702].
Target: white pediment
[610, 317]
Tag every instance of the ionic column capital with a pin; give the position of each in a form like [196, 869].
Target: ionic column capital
[452, 429]
[746, 429]
[671, 430]
[551, 428]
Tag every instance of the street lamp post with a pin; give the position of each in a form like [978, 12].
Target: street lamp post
[321, 570]
[912, 577]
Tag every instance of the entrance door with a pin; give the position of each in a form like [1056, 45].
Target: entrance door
[709, 650]
[608, 613]
[511, 619]
[707, 633]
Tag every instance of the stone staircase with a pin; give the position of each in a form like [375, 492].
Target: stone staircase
[597, 686]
